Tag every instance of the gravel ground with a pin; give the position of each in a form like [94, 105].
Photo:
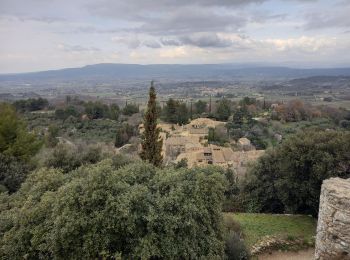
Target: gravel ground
[300, 255]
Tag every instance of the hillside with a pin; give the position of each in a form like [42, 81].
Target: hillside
[110, 72]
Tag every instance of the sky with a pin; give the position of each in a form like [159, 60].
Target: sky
[51, 34]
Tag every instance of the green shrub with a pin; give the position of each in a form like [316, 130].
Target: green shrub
[70, 157]
[120, 160]
[130, 109]
[14, 138]
[289, 177]
[97, 211]
[12, 173]
[235, 249]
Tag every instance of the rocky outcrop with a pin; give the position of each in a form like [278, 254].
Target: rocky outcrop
[333, 227]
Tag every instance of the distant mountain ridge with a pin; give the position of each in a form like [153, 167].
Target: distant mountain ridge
[111, 71]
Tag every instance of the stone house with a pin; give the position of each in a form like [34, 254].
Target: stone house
[244, 144]
[221, 156]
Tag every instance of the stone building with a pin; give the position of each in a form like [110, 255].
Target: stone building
[221, 156]
[244, 144]
[333, 227]
[175, 145]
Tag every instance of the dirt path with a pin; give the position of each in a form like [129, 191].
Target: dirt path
[307, 254]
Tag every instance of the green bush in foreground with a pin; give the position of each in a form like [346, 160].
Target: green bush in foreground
[235, 248]
[289, 178]
[97, 211]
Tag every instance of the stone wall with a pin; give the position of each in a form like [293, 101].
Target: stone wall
[333, 227]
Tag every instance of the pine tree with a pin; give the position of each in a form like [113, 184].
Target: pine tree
[151, 142]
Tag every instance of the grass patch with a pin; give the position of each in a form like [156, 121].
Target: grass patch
[257, 226]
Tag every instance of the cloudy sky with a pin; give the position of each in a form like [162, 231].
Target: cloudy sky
[49, 34]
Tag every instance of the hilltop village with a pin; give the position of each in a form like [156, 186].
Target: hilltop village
[190, 143]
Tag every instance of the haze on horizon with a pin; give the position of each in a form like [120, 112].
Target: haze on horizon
[41, 35]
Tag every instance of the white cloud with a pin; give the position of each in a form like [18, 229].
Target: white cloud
[177, 52]
[303, 43]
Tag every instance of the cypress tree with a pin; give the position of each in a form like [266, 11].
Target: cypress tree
[151, 142]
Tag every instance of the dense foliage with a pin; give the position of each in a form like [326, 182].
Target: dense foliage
[14, 138]
[288, 178]
[31, 104]
[224, 109]
[218, 135]
[200, 107]
[98, 211]
[74, 128]
[96, 110]
[51, 138]
[17, 147]
[12, 173]
[66, 112]
[123, 134]
[69, 157]
[130, 109]
[175, 112]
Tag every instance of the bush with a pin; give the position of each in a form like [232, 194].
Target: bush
[51, 139]
[70, 157]
[97, 211]
[345, 124]
[232, 200]
[120, 160]
[31, 104]
[130, 109]
[69, 111]
[235, 249]
[12, 173]
[96, 110]
[14, 138]
[175, 112]
[224, 109]
[289, 178]
[181, 164]
[123, 134]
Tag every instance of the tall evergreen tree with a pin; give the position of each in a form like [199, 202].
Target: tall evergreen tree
[151, 142]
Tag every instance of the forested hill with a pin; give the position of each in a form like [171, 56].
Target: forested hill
[107, 72]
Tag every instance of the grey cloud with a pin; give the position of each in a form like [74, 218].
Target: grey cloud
[132, 41]
[336, 18]
[44, 19]
[157, 17]
[183, 21]
[170, 42]
[169, 17]
[77, 48]
[152, 44]
[133, 7]
[261, 17]
[25, 18]
[205, 40]
[111, 7]
[176, 23]
[93, 29]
